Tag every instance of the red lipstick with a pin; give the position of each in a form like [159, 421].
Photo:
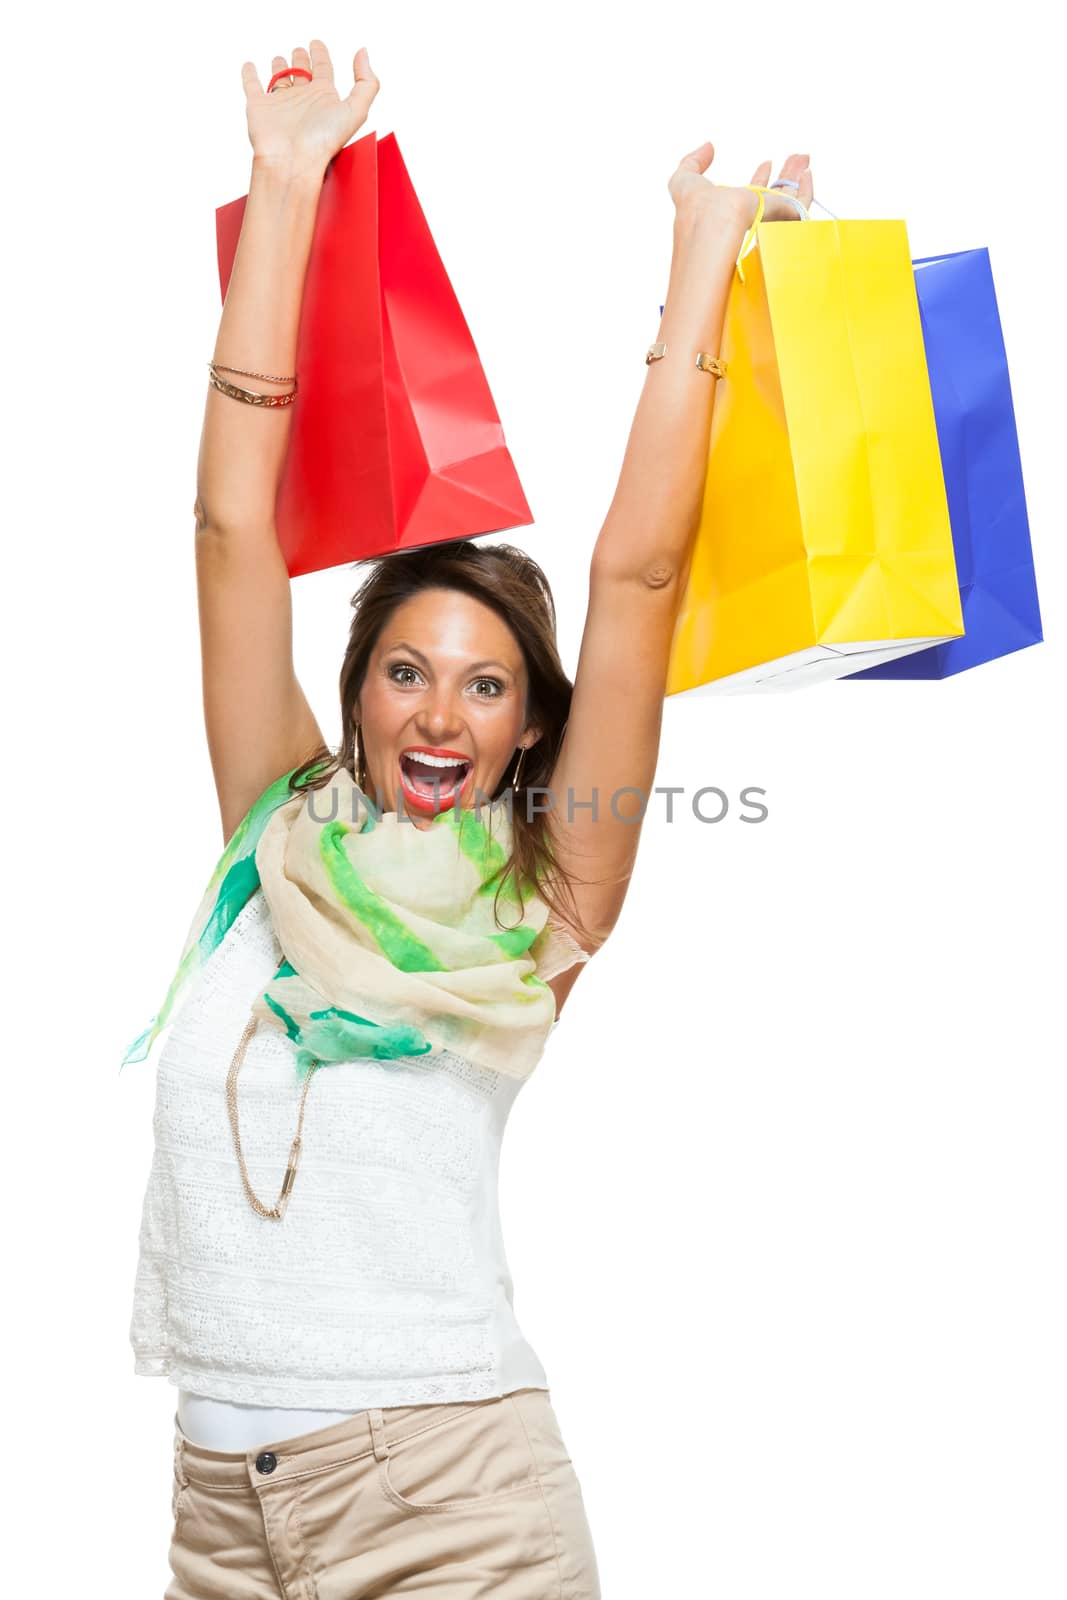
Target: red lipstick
[422, 784]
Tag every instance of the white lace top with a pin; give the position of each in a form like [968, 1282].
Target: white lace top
[386, 1281]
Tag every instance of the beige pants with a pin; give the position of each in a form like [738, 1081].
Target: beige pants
[457, 1501]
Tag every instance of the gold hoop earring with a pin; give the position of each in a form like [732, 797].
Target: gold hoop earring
[361, 774]
[518, 765]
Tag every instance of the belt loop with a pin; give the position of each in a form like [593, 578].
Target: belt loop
[377, 1430]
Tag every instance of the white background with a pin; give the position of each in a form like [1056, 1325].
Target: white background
[784, 1201]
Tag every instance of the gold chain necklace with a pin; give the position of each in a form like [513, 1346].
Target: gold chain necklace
[277, 1211]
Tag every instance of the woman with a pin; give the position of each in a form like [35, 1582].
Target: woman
[358, 1410]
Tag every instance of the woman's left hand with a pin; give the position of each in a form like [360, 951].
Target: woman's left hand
[304, 124]
[689, 187]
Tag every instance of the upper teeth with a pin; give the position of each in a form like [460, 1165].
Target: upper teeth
[434, 761]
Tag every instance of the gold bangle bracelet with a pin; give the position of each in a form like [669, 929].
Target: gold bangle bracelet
[250, 396]
[706, 362]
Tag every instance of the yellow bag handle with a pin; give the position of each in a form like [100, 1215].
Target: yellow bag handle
[748, 242]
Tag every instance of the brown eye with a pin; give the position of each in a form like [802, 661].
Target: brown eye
[401, 667]
[495, 685]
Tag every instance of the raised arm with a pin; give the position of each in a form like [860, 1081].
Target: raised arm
[641, 558]
[257, 718]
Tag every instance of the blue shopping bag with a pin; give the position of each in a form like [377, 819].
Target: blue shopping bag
[979, 446]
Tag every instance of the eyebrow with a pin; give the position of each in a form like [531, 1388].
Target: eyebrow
[402, 644]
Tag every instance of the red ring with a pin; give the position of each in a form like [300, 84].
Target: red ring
[288, 72]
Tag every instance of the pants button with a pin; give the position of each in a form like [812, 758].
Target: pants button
[266, 1462]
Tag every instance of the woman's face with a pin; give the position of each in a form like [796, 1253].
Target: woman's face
[446, 677]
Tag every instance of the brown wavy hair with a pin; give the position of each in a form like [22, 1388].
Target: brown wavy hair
[511, 582]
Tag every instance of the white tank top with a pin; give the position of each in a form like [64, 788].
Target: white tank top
[386, 1281]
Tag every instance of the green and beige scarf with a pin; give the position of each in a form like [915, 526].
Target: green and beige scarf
[389, 938]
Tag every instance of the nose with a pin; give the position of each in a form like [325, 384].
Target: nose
[440, 720]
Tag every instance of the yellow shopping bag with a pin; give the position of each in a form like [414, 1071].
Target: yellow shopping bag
[824, 543]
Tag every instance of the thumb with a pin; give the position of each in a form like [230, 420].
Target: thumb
[365, 86]
[698, 160]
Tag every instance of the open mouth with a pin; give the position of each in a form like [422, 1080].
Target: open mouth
[429, 778]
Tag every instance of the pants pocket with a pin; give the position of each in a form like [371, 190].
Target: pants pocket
[476, 1459]
[576, 1551]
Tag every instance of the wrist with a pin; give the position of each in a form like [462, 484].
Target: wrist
[288, 170]
[718, 209]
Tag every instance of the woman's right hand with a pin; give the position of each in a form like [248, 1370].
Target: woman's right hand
[301, 125]
[689, 188]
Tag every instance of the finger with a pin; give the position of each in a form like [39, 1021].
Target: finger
[698, 160]
[793, 167]
[279, 64]
[806, 192]
[250, 79]
[791, 183]
[301, 59]
[366, 84]
[321, 65]
[762, 175]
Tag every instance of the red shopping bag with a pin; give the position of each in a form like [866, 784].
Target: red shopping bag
[395, 441]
